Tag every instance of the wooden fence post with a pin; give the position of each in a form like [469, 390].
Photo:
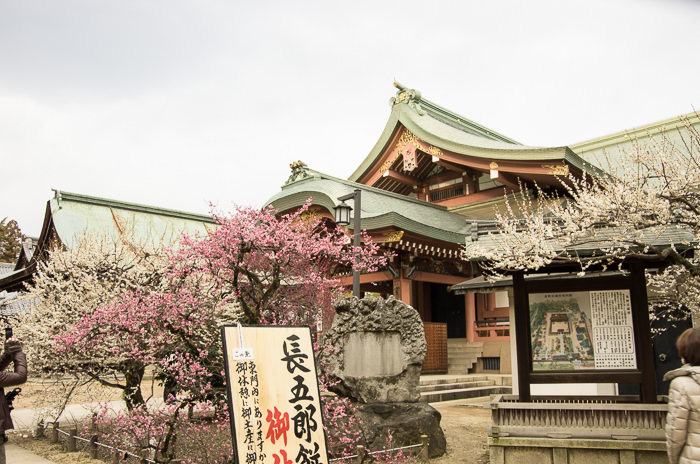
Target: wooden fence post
[361, 454]
[39, 431]
[92, 450]
[424, 455]
[54, 432]
[72, 433]
[92, 427]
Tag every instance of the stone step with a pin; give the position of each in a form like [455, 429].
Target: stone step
[461, 362]
[462, 358]
[464, 352]
[459, 368]
[456, 386]
[442, 380]
[462, 355]
[464, 393]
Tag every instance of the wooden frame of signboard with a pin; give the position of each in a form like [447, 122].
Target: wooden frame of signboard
[643, 374]
[273, 394]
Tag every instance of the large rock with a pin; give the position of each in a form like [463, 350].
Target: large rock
[374, 350]
[373, 354]
[404, 422]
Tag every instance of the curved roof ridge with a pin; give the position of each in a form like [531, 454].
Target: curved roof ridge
[380, 208]
[316, 175]
[444, 115]
[446, 130]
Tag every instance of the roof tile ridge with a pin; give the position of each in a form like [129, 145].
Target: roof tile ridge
[63, 196]
[462, 123]
[421, 105]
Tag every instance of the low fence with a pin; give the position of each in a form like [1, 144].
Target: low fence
[576, 431]
[492, 329]
[591, 417]
[92, 447]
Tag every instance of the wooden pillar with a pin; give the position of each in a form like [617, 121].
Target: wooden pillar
[522, 330]
[406, 291]
[402, 290]
[642, 334]
[470, 316]
[420, 302]
[490, 302]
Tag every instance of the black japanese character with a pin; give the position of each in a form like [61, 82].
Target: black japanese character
[304, 422]
[294, 358]
[300, 391]
[308, 456]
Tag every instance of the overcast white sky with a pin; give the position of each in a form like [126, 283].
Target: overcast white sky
[181, 103]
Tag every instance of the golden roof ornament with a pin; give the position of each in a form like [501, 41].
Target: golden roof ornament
[410, 96]
[299, 171]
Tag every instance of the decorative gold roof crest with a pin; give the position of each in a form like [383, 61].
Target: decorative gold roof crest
[410, 96]
[299, 171]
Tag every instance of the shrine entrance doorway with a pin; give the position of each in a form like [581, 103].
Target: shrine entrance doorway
[448, 308]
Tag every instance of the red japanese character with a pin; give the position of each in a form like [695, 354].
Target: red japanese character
[283, 459]
[279, 425]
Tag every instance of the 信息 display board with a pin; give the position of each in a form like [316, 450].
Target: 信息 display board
[582, 330]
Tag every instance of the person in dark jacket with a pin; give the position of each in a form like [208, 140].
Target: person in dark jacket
[683, 418]
[11, 354]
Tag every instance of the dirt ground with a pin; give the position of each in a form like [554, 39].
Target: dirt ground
[465, 427]
[464, 424]
[34, 393]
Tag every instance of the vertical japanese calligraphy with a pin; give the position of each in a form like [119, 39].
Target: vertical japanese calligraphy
[613, 334]
[274, 396]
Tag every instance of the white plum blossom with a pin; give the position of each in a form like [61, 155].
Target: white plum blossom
[647, 207]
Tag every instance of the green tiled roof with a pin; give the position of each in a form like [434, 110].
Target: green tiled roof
[380, 208]
[604, 237]
[72, 216]
[75, 215]
[449, 131]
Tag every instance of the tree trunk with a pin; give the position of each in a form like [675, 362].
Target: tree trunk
[133, 374]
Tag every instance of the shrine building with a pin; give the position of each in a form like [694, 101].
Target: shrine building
[430, 183]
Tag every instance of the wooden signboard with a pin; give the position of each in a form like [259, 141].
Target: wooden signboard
[273, 395]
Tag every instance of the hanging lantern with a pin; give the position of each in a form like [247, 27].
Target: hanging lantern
[342, 214]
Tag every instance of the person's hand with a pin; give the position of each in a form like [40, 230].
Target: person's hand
[12, 346]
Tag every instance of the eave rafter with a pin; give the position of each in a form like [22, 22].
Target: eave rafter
[447, 176]
[509, 180]
[515, 167]
[418, 247]
[404, 141]
[400, 177]
[448, 165]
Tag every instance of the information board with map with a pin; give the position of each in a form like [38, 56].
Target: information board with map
[582, 330]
